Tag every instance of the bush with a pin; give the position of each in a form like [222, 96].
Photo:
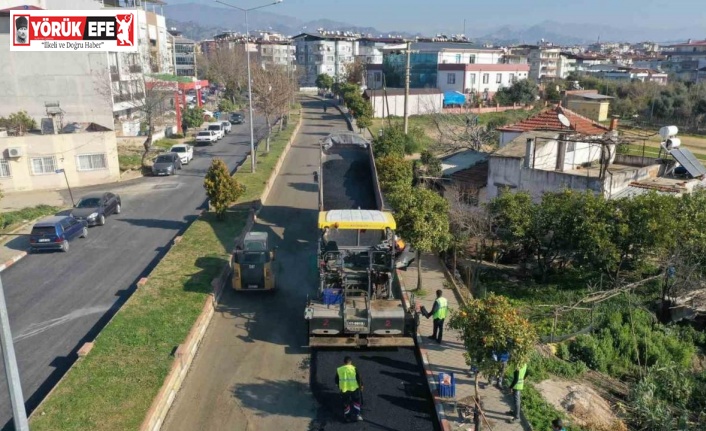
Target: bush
[225, 105]
[177, 136]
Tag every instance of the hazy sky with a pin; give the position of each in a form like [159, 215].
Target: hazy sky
[432, 15]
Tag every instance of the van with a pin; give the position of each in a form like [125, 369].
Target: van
[218, 128]
[55, 233]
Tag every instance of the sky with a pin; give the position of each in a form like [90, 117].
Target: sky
[430, 16]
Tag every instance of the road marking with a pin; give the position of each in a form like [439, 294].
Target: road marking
[38, 328]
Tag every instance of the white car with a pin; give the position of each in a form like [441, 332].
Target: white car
[206, 137]
[226, 126]
[207, 113]
[185, 151]
[218, 128]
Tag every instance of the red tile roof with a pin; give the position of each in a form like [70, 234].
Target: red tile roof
[549, 120]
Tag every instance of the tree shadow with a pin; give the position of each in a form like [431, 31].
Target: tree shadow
[263, 398]
[305, 187]
[161, 224]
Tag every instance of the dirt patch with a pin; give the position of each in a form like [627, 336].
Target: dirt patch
[582, 403]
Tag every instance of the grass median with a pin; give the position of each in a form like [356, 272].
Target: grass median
[113, 387]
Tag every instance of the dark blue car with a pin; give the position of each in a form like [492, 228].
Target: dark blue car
[55, 233]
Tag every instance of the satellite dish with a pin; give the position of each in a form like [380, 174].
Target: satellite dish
[563, 120]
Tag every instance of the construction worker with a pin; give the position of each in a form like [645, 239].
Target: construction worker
[518, 384]
[501, 360]
[350, 385]
[438, 312]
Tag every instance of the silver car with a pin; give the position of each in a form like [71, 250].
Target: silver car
[166, 164]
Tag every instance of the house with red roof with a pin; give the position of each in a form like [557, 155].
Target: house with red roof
[559, 149]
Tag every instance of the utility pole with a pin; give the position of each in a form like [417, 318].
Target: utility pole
[406, 87]
[12, 374]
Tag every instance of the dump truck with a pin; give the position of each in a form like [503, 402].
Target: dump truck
[252, 263]
[359, 299]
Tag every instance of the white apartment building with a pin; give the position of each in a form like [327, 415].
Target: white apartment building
[483, 80]
[323, 53]
[184, 56]
[275, 52]
[546, 63]
[370, 49]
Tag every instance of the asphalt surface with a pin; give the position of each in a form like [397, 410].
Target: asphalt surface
[252, 371]
[57, 301]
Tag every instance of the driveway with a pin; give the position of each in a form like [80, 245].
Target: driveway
[57, 301]
[252, 371]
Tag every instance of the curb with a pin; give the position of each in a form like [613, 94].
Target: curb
[13, 260]
[431, 383]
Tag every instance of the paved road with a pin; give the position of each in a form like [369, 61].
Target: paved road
[251, 372]
[57, 301]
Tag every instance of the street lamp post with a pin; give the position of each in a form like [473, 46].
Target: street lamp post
[247, 49]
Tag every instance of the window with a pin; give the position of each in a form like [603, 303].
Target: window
[451, 78]
[43, 165]
[4, 169]
[458, 58]
[378, 77]
[486, 78]
[472, 59]
[512, 78]
[91, 162]
[472, 78]
[498, 78]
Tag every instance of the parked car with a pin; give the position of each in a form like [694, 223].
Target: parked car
[226, 126]
[95, 207]
[207, 113]
[55, 233]
[185, 151]
[218, 128]
[237, 118]
[206, 137]
[166, 164]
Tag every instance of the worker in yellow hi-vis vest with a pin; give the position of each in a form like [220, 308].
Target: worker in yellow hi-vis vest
[350, 384]
[518, 384]
[438, 312]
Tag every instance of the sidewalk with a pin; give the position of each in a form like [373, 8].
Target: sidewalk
[448, 357]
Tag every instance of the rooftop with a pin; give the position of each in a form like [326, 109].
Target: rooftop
[462, 160]
[517, 147]
[663, 186]
[593, 96]
[549, 120]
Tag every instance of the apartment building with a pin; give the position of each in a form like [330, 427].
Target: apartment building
[184, 56]
[276, 52]
[482, 80]
[326, 52]
[547, 63]
[426, 59]
[686, 60]
[370, 49]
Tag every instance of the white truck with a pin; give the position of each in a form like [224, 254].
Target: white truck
[208, 137]
[185, 152]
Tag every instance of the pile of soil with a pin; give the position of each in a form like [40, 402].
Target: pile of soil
[582, 403]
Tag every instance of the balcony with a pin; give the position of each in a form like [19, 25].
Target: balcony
[135, 68]
[121, 98]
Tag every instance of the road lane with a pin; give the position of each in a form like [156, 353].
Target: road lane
[251, 372]
[56, 301]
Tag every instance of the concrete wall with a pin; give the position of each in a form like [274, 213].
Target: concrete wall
[506, 137]
[419, 104]
[74, 79]
[616, 181]
[67, 146]
[509, 172]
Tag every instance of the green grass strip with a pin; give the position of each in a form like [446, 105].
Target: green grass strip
[13, 219]
[113, 387]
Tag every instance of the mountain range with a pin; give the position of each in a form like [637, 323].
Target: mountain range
[200, 22]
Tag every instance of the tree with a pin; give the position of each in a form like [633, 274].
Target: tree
[228, 66]
[354, 72]
[192, 117]
[222, 189]
[422, 220]
[227, 105]
[493, 325]
[271, 94]
[152, 106]
[18, 123]
[523, 92]
[324, 81]
[431, 164]
[394, 141]
[456, 133]
[393, 170]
